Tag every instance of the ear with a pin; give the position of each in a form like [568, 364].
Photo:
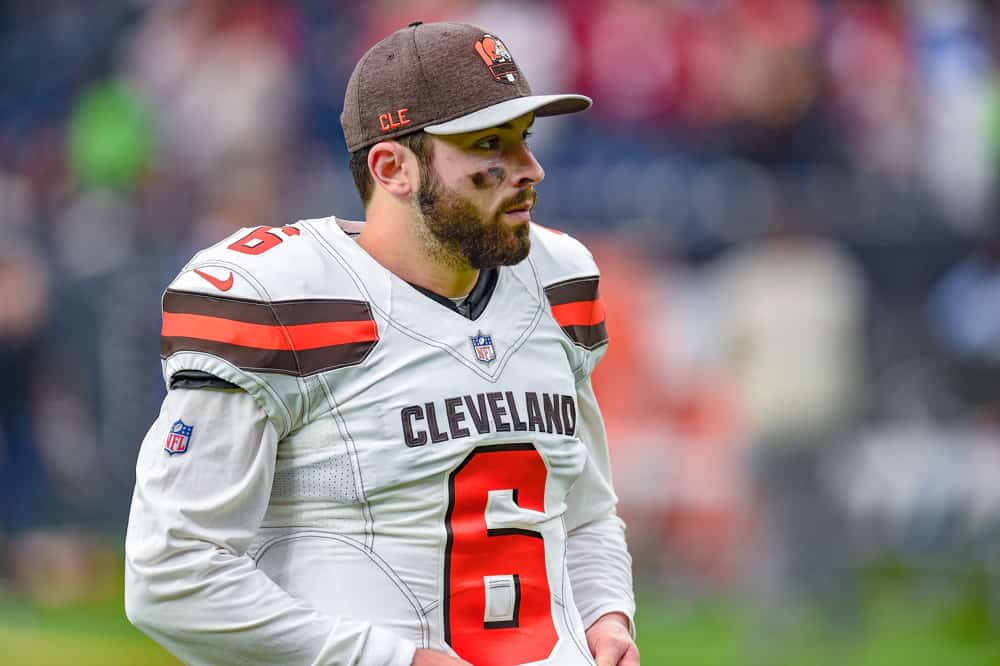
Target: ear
[393, 168]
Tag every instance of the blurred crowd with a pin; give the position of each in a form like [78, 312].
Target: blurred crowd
[793, 202]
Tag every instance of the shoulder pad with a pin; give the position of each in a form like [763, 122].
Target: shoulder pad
[557, 256]
[571, 279]
[267, 264]
[268, 299]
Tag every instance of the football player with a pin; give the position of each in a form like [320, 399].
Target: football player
[380, 445]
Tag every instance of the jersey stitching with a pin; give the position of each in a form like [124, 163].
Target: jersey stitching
[303, 384]
[352, 449]
[498, 372]
[458, 356]
[284, 331]
[325, 244]
[310, 394]
[355, 278]
[383, 566]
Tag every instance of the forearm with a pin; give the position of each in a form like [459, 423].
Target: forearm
[189, 582]
[600, 570]
[209, 607]
[600, 567]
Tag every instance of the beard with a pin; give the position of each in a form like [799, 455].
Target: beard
[464, 234]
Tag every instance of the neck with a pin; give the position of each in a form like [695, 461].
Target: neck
[399, 241]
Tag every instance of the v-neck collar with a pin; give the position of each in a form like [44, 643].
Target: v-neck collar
[508, 319]
[477, 300]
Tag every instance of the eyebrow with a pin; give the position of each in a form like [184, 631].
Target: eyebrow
[510, 126]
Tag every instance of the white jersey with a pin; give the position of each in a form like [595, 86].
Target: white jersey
[392, 475]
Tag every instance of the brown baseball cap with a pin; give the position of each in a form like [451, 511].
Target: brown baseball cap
[443, 78]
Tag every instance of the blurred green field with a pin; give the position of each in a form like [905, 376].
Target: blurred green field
[895, 630]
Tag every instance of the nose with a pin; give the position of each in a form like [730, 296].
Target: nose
[527, 171]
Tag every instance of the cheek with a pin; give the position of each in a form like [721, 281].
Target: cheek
[490, 177]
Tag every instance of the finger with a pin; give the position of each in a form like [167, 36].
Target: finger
[631, 657]
[608, 657]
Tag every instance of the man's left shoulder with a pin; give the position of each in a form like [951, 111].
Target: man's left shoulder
[558, 256]
[569, 275]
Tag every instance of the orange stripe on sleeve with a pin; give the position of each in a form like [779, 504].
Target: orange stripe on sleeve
[579, 313]
[261, 336]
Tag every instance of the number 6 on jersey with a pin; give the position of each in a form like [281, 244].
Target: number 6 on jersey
[497, 601]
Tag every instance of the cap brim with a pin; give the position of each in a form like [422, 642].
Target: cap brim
[498, 114]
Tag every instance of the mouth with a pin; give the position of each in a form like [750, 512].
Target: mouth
[520, 211]
[519, 214]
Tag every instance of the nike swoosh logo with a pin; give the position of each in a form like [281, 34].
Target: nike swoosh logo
[221, 285]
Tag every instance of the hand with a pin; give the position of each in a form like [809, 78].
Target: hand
[424, 657]
[611, 642]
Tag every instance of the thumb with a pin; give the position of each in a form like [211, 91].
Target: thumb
[608, 654]
[606, 657]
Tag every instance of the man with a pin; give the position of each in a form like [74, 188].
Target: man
[380, 445]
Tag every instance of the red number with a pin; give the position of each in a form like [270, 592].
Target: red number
[512, 558]
[262, 239]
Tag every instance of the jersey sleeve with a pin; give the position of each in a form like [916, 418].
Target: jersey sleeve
[247, 317]
[189, 582]
[600, 567]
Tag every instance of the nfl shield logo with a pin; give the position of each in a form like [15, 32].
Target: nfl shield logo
[178, 438]
[483, 344]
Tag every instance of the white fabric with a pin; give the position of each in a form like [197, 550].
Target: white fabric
[345, 559]
[189, 583]
[600, 567]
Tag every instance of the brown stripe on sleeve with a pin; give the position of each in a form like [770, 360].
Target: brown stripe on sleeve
[294, 313]
[298, 363]
[246, 358]
[571, 291]
[588, 337]
[287, 313]
[237, 309]
[330, 358]
[579, 290]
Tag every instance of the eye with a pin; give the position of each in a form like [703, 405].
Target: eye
[488, 143]
[527, 135]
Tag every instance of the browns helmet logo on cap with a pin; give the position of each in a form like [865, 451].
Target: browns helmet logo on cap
[497, 58]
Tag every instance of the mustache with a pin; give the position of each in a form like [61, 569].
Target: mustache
[524, 196]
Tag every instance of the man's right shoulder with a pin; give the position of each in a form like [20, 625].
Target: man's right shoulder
[263, 264]
[270, 299]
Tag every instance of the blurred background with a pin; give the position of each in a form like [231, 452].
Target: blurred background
[794, 203]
